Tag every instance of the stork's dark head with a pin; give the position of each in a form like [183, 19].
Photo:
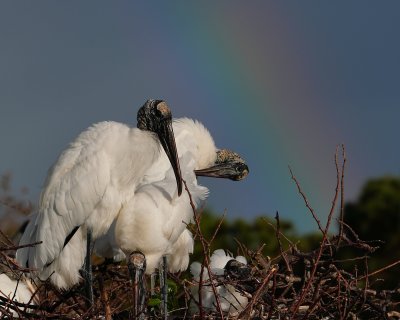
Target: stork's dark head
[237, 270]
[228, 165]
[155, 116]
[152, 114]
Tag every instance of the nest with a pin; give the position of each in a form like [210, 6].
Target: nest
[292, 285]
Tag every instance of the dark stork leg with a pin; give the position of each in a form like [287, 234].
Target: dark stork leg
[87, 272]
[164, 286]
[137, 267]
[153, 278]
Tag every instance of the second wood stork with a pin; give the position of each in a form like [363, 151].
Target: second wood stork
[88, 185]
[17, 291]
[154, 221]
[231, 300]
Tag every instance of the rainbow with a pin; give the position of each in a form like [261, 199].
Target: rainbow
[232, 73]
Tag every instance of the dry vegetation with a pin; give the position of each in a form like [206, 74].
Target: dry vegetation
[292, 285]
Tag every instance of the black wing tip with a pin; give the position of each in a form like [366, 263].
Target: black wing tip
[70, 235]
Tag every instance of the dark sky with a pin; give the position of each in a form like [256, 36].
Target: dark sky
[281, 83]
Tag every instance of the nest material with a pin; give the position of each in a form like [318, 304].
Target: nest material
[294, 285]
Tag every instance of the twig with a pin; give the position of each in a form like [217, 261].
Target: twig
[246, 312]
[379, 270]
[324, 238]
[105, 299]
[306, 200]
[341, 216]
[278, 232]
[206, 258]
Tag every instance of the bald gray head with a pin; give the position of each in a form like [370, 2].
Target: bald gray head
[228, 165]
[155, 116]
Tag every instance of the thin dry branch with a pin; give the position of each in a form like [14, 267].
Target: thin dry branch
[205, 247]
[294, 285]
[278, 237]
[341, 215]
[299, 189]
[324, 236]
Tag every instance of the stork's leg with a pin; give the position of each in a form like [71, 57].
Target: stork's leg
[88, 268]
[164, 286]
[152, 283]
[137, 267]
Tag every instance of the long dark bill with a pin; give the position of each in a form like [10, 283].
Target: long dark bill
[230, 170]
[167, 139]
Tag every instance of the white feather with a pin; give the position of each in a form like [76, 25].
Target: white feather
[156, 217]
[15, 290]
[232, 301]
[182, 248]
[154, 221]
[87, 187]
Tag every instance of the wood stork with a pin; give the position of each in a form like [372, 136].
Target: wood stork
[17, 290]
[154, 221]
[232, 301]
[89, 184]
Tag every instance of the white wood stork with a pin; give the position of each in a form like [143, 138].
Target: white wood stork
[87, 187]
[18, 291]
[154, 221]
[156, 217]
[232, 301]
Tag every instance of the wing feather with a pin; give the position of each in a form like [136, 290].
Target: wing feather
[74, 188]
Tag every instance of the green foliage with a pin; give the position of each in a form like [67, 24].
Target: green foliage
[376, 216]
[154, 302]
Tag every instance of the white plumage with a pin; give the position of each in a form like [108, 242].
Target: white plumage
[232, 301]
[220, 258]
[154, 221]
[87, 187]
[15, 290]
[178, 259]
